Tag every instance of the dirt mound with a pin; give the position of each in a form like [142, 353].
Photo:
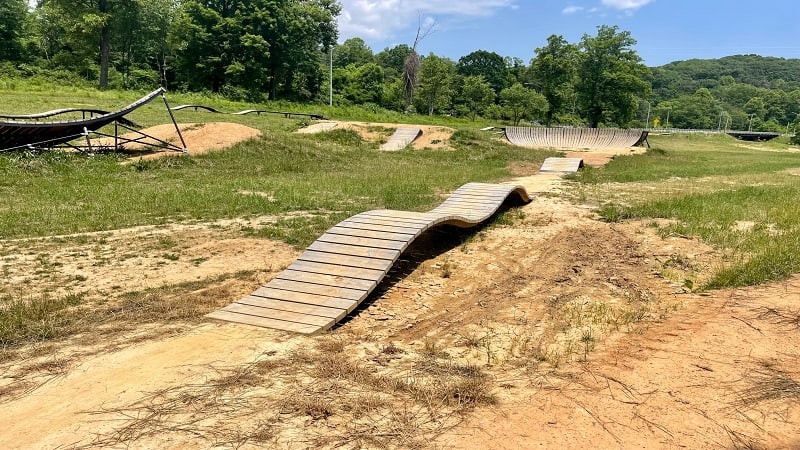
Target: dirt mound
[434, 137]
[199, 137]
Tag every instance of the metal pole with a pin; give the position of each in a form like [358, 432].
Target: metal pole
[177, 128]
[668, 111]
[330, 80]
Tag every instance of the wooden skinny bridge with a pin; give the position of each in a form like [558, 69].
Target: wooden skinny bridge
[341, 268]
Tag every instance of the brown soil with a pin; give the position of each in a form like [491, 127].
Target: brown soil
[588, 334]
[433, 137]
[199, 138]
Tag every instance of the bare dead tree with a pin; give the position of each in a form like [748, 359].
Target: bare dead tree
[411, 64]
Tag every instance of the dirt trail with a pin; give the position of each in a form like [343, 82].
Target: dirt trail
[704, 378]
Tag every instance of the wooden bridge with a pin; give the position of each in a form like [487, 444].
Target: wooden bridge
[341, 268]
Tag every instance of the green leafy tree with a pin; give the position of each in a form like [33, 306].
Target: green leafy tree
[85, 30]
[352, 51]
[522, 103]
[476, 94]
[612, 77]
[360, 84]
[699, 110]
[392, 59]
[553, 70]
[436, 78]
[268, 46]
[12, 26]
[489, 65]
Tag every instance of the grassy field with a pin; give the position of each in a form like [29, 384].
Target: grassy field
[325, 177]
[740, 197]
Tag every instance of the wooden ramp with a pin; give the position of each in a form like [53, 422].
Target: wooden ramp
[401, 138]
[591, 138]
[561, 165]
[340, 269]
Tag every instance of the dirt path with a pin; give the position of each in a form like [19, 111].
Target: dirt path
[711, 376]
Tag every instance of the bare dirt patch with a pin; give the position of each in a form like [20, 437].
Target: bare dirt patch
[433, 137]
[199, 138]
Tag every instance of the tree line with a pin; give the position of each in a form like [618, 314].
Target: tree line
[287, 49]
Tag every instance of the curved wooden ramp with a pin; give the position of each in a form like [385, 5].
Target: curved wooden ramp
[340, 269]
[401, 138]
[591, 138]
[17, 134]
[561, 165]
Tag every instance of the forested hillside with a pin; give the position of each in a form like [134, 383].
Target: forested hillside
[262, 50]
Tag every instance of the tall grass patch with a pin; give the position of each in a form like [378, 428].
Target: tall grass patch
[732, 198]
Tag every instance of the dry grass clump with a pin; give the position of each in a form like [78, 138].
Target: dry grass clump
[769, 384]
[335, 398]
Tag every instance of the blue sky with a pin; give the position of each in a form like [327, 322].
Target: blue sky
[666, 30]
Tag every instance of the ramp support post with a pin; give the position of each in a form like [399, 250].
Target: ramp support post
[177, 128]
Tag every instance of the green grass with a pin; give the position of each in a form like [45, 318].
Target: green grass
[729, 194]
[328, 176]
[692, 156]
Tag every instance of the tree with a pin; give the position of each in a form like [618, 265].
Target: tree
[411, 66]
[476, 94]
[612, 76]
[699, 110]
[520, 102]
[86, 29]
[12, 24]
[489, 65]
[352, 51]
[268, 46]
[553, 71]
[393, 58]
[360, 84]
[436, 77]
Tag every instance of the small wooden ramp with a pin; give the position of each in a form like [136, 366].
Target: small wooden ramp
[561, 165]
[401, 138]
[341, 268]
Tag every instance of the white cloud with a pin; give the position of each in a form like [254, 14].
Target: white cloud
[572, 9]
[381, 19]
[626, 5]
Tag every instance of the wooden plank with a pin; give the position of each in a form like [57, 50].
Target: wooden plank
[345, 260]
[416, 218]
[300, 308]
[327, 280]
[337, 270]
[362, 242]
[358, 232]
[384, 228]
[275, 314]
[269, 291]
[263, 322]
[384, 221]
[342, 249]
[309, 288]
